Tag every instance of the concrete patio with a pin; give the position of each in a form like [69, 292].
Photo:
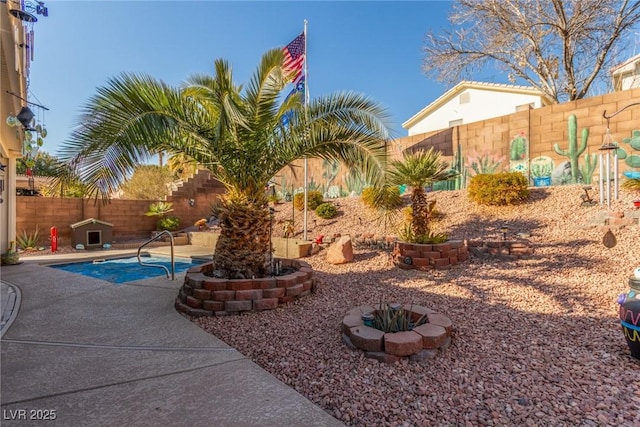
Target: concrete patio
[88, 352]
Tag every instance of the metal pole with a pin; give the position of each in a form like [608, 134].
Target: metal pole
[306, 101]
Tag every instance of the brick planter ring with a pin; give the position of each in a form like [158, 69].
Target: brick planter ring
[202, 295]
[420, 344]
[430, 256]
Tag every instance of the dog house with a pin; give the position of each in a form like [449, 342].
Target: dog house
[91, 233]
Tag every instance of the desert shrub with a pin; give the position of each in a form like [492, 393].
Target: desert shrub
[407, 215]
[386, 197]
[506, 188]
[169, 223]
[406, 234]
[314, 199]
[631, 184]
[274, 198]
[326, 211]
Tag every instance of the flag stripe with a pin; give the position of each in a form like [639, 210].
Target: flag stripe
[294, 57]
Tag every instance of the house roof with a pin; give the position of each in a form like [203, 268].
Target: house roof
[463, 85]
[629, 61]
[90, 221]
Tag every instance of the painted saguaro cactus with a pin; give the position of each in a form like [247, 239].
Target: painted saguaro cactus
[588, 167]
[459, 166]
[574, 151]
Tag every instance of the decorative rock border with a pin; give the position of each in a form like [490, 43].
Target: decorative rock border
[502, 249]
[420, 344]
[203, 295]
[429, 257]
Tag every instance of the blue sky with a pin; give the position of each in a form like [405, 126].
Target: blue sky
[369, 47]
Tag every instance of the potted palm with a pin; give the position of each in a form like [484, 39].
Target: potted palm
[165, 221]
[11, 256]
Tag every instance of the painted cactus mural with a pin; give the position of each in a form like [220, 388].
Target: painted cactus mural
[354, 182]
[485, 162]
[519, 147]
[541, 170]
[574, 150]
[632, 160]
[330, 173]
[519, 154]
[588, 167]
[458, 167]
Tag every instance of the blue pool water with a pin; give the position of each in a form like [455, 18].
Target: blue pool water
[123, 270]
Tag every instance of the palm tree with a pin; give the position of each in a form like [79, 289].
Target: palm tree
[237, 132]
[418, 170]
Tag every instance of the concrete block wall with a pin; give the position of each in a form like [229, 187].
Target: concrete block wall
[127, 216]
[542, 126]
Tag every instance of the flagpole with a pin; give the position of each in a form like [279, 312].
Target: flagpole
[306, 101]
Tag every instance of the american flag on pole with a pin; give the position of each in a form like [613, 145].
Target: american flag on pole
[294, 58]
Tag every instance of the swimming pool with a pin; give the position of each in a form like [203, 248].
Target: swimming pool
[122, 270]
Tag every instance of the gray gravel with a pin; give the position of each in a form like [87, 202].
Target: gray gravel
[536, 341]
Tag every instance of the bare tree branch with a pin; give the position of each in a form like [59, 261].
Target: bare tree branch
[560, 47]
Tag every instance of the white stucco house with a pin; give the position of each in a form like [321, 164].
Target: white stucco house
[626, 75]
[469, 102]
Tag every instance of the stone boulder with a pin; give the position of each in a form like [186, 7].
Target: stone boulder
[341, 252]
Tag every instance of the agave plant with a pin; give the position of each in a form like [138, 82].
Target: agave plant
[394, 318]
[28, 241]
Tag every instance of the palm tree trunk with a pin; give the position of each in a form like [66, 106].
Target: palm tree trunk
[243, 250]
[420, 206]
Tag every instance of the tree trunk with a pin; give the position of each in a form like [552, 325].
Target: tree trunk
[243, 250]
[420, 207]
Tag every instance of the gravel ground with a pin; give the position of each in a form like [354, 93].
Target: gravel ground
[536, 342]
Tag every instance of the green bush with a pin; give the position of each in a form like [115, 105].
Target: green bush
[326, 211]
[386, 198]
[169, 223]
[507, 188]
[314, 199]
